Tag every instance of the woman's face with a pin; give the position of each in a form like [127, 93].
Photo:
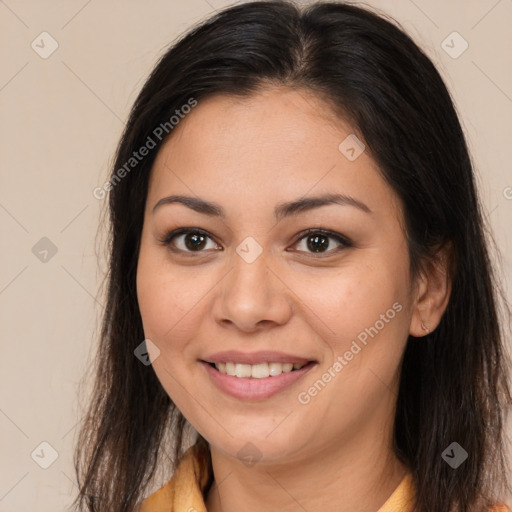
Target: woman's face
[252, 287]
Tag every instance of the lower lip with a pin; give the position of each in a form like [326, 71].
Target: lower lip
[255, 389]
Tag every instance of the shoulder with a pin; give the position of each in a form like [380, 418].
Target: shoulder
[185, 487]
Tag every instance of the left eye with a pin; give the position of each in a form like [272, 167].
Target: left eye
[318, 239]
[195, 240]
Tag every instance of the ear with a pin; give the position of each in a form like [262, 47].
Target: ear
[432, 292]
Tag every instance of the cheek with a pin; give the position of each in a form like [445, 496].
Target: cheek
[362, 302]
[362, 318]
[170, 308]
[165, 298]
[173, 303]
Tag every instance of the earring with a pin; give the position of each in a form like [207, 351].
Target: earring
[424, 327]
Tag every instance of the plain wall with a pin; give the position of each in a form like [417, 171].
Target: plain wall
[61, 118]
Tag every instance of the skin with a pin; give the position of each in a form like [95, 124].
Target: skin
[248, 155]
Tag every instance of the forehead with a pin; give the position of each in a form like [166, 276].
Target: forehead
[277, 144]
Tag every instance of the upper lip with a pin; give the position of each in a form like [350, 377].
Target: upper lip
[266, 356]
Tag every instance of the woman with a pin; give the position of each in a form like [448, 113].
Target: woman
[300, 301]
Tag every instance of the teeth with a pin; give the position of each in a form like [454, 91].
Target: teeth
[275, 369]
[260, 371]
[243, 370]
[256, 371]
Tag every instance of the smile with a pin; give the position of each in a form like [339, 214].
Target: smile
[265, 379]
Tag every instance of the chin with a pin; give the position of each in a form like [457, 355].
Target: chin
[261, 445]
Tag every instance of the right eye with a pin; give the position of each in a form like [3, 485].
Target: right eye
[190, 240]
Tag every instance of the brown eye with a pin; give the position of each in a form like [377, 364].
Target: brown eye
[187, 240]
[319, 241]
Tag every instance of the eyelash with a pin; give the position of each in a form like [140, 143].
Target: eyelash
[343, 240]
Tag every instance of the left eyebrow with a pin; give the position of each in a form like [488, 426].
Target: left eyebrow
[281, 210]
[308, 203]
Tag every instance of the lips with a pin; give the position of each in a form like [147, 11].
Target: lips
[245, 387]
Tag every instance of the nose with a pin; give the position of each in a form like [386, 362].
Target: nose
[252, 296]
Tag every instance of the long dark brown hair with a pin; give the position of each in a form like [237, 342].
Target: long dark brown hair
[454, 384]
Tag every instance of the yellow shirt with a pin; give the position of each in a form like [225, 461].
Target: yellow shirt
[184, 491]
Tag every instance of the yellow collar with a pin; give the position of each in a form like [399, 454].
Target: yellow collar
[184, 491]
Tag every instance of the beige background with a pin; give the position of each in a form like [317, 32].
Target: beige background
[61, 119]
